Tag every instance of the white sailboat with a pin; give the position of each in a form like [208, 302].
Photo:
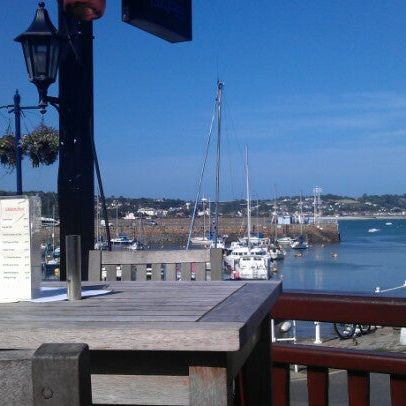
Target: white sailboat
[212, 240]
[251, 264]
[275, 250]
[203, 239]
[300, 243]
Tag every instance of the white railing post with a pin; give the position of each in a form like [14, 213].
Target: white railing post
[317, 333]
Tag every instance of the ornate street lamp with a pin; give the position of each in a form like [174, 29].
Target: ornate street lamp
[42, 47]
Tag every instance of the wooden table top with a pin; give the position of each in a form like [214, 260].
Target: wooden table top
[175, 316]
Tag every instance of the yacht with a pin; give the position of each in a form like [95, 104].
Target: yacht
[242, 251]
[136, 246]
[251, 266]
[121, 240]
[258, 240]
[284, 240]
[276, 253]
[249, 262]
[299, 244]
[101, 245]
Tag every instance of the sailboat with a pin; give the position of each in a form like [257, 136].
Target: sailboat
[275, 250]
[204, 239]
[99, 244]
[252, 263]
[213, 240]
[300, 243]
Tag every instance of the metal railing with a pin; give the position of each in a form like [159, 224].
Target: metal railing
[300, 305]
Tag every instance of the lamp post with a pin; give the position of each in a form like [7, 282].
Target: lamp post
[42, 47]
[16, 108]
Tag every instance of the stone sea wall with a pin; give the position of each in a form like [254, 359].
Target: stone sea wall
[162, 232]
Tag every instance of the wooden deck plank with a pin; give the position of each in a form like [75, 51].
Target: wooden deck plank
[140, 390]
[125, 336]
[154, 257]
[249, 305]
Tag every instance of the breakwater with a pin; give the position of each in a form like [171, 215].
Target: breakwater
[162, 232]
[175, 231]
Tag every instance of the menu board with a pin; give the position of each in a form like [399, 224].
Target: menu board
[20, 266]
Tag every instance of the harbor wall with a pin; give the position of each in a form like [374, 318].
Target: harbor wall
[175, 231]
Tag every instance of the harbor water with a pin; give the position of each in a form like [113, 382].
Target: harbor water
[372, 254]
[365, 259]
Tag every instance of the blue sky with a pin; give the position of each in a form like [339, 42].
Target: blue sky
[316, 89]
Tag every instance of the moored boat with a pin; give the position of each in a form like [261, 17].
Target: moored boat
[251, 267]
[121, 240]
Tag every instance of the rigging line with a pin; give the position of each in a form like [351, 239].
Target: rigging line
[7, 126]
[3, 115]
[9, 130]
[240, 148]
[25, 119]
[192, 223]
[228, 143]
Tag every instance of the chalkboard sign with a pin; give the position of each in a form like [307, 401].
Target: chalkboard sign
[167, 19]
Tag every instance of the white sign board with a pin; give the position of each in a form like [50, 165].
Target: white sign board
[20, 257]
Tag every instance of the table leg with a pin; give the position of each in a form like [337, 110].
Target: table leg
[210, 386]
[257, 370]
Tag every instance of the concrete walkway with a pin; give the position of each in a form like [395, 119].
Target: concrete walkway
[379, 339]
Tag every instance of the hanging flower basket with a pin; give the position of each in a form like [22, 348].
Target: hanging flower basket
[42, 145]
[7, 151]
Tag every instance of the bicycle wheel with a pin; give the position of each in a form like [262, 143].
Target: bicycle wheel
[365, 328]
[344, 330]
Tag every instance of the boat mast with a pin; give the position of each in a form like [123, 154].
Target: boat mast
[220, 86]
[97, 218]
[275, 219]
[248, 201]
[301, 214]
[204, 217]
[210, 222]
[192, 223]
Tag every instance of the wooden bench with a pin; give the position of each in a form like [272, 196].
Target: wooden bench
[170, 265]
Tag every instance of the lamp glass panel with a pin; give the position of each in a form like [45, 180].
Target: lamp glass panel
[54, 52]
[40, 59]
[28, 59]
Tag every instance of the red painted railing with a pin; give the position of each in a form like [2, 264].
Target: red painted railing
[358, 364]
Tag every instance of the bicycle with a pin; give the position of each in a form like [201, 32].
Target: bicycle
[349, 330]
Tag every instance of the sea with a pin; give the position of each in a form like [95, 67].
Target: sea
[371, 255]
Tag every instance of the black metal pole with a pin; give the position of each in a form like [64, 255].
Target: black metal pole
[17, 114]
[76, 160]
[103, 198]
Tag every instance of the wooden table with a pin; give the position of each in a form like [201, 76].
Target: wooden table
[194, 335]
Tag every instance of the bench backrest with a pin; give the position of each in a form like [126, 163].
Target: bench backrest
[156, 265]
